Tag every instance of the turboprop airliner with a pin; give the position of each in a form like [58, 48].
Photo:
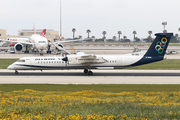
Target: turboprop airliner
[87, 62]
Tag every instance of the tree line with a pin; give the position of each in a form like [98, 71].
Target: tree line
[174, 39]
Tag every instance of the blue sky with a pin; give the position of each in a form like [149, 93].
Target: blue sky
[97, 15]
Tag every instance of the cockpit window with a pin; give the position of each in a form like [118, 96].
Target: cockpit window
[21, 60]
[42, 41]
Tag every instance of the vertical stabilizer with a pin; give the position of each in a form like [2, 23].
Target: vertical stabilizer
[159, 45]
[43, 33]
[34, 29]
[157, 49]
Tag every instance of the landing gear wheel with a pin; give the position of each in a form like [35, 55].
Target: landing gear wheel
[26, 52]
[90, 73]
[48, 52]
[85, 71]
[16, 72]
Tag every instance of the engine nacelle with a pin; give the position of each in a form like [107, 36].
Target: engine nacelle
[18, 47]
[60, 45]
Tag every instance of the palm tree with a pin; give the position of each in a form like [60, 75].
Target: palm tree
[150, 32]
[88, 31]
[114, 38]
[119, 33]
[124, 37]
[134, 32]
[80, 37]
[179, 29]
[93, 37]
[73, 30]
[104, 33]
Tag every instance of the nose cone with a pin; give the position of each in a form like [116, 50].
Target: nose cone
[10, 67]
[41, 46]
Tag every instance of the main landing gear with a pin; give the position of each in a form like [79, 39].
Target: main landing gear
[26, 51]
[88, 72]
[16, 72]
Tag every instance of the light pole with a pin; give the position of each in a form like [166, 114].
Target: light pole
[60, 22]
[164, 24]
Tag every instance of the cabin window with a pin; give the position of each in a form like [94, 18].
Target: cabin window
[42, 41]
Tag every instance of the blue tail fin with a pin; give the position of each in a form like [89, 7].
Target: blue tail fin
[159, 45]
[157, 49]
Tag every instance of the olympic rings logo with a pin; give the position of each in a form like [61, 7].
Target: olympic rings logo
[160, 45]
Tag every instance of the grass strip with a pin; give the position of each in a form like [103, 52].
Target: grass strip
[102, 87]
[4, 63]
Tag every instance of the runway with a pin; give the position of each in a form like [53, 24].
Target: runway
[99, 77]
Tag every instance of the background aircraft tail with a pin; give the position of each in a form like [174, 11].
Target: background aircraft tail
[43, 33]
[159, 45]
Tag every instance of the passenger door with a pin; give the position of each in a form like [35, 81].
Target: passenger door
[119, 61]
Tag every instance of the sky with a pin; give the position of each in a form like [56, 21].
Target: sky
[96, 15]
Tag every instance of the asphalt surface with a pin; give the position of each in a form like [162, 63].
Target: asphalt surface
[96, 73]
[99, 77]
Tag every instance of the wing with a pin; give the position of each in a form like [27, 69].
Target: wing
[86, 59]
[70, 41]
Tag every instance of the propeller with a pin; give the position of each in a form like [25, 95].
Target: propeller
[65, 59]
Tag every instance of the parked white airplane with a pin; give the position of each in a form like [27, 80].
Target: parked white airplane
[87, 61]
[38, 42]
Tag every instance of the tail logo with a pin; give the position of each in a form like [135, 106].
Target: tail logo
[160, 45]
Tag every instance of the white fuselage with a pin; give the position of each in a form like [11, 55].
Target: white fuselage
[40, 42]
[87, 62]
[54, 63]
[37, 41]
[17, 40]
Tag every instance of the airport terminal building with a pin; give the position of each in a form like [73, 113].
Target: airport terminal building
[2, 34]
